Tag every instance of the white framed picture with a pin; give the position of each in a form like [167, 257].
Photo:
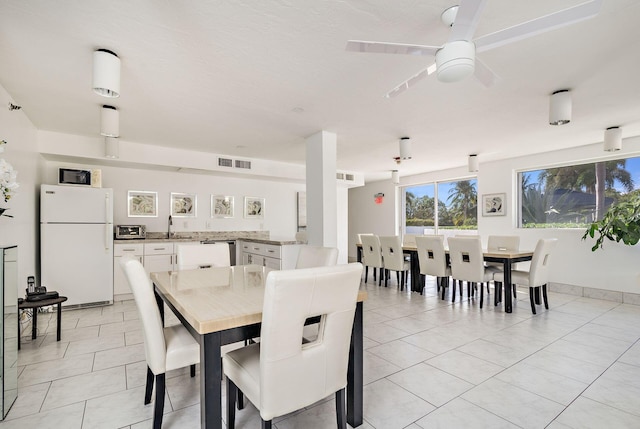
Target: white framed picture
[221, 206]
[142, 204]
[183, 205]
[494, 204]
[253, 208]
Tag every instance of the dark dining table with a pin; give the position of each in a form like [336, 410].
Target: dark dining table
[223, 305]
[504, 257]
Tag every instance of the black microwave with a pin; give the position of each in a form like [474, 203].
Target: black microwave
[70, 176]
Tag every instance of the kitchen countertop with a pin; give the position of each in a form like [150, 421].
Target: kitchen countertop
[274, 241]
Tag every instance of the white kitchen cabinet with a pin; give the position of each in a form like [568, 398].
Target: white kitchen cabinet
[120, 283]
[159, 257]
[275, 256]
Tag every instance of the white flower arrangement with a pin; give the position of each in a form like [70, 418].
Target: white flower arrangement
[8, 178]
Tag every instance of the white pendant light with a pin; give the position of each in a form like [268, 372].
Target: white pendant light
[560, 107]
[111, 147]
[395, 177]
[405, 148]
[613, 139]
[106, 73]
[110, 124]
[473, 163]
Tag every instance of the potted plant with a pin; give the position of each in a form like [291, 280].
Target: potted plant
[620, 223]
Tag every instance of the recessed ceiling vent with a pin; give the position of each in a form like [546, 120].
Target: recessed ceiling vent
[349, 177]
[225, 162]
[243, 164]
[340, 176]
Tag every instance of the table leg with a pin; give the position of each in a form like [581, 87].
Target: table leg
[507, 286]
[354, 373]
[34, 322]
[416, 284]
[210, 381]
[359, 253]
[59, 320]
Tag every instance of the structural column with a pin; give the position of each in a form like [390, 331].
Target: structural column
[322, 210]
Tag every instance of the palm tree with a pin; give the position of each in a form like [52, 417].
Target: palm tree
[410, 200]
[464, 199]
[596, 178]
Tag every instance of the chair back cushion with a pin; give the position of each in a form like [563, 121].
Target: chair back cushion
[194, 256]
[392, 253]
[316, 256]
[431, 255]
[292, 374]
[409, 239]
[465, 255]
[360, 237]
[152, 328]
[539, 270]
[503, 242]
[371, 253]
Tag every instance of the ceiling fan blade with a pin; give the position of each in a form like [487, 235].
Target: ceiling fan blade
[411, 81]
[390, 48]
[539, 25]
[467, 18]
[484, 74]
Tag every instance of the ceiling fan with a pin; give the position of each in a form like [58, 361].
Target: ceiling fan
[456, 59]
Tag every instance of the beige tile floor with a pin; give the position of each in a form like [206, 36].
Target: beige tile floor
[428, 364]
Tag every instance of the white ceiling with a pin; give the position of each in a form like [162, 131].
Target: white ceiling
[229, 77]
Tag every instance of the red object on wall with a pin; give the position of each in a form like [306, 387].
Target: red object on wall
[378, 198]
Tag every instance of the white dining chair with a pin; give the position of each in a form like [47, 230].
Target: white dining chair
[538, 275]
[372, 257]
[499, 243]
[467, 264]
[193, 256]
[316, 256]
[433, 260]
[394, 260]
[281, 374]
[165, 349]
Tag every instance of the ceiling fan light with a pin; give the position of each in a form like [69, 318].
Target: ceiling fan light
[106, 73]
[473, 163]
[455, 61]
[110, 121]
[111, 147]
[560, 107]
[613, 139]
[405, 148]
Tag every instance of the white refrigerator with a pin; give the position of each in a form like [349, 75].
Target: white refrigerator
[76, 243]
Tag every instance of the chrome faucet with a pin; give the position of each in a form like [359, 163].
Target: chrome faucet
[169, 227]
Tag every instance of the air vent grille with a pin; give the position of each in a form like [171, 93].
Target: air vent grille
[340, 176]
[349, 177]
[225, 162]
[243, 164]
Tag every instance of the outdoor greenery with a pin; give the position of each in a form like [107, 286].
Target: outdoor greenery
[620, 223]
[573, 196]
[458, 210]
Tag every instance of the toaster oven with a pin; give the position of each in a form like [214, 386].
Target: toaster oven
[128, 232]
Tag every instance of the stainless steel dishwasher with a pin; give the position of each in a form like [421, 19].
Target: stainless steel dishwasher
[232, 248]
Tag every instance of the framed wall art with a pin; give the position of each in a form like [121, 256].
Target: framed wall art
[494, 204]
[183, 205]
[253, 208]
[142, 204]
[221, 206]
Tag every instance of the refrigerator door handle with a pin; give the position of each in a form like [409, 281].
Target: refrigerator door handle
[107, 238]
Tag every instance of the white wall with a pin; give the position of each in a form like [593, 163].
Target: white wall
[365, 216]
[20, 152]
[615, 268]
[280, 199]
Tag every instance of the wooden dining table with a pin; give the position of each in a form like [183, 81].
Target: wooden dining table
[504, 257]
[223, 305]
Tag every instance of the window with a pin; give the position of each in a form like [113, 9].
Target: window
[456, 209]
[577, 195]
